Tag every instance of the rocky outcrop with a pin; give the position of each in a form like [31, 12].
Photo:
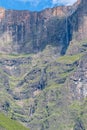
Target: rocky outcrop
[78, 81]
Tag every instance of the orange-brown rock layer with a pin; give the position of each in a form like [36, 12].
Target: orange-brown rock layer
[2, 13]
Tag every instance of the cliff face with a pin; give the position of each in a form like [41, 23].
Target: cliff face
[78, 22]
[28, 32]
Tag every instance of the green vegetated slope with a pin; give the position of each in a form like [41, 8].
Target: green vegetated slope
[42, 90]
[9, 124]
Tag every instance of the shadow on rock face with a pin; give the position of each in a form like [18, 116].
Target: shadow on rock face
[79, 125]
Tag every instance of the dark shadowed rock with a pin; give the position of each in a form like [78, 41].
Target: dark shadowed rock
[79, 125]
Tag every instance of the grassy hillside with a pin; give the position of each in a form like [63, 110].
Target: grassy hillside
[44, 90]
[8, 124]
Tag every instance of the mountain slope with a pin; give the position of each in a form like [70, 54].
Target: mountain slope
[43, 80]
[44, 91]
